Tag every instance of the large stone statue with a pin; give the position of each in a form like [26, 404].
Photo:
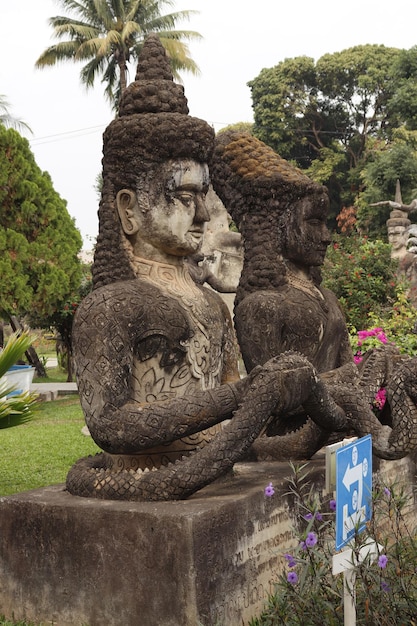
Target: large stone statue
[280, 304]
[155, 353]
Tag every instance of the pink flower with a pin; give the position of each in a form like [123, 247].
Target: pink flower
[380, 399]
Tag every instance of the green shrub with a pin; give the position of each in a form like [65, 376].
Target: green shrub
[308, 594]
[363, 277]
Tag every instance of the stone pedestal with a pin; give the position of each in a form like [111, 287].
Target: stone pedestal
[207, 561]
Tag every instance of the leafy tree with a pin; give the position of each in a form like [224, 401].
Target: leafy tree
[62, 319]
[329, 117]
[363, 277]
[39, 243]
[108, 34]
[386, 165]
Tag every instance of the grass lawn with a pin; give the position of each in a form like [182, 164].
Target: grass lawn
[40, 451]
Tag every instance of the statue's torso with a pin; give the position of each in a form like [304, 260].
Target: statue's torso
[271, 322]
[165, 337]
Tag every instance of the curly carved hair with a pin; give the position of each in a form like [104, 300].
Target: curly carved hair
[153, 126]
[260, 190]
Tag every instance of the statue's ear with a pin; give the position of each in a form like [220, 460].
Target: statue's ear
[127, 206]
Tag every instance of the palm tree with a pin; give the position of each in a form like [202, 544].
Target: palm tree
[7, 119]
[110, 33]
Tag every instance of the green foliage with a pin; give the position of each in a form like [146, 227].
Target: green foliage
[39, 242]
[400, 324]
[108, 35]
[20, 405]
[362, 275]
[330, 117]
[242, 127]
[385, 166]
[308, 594]
[7, 119]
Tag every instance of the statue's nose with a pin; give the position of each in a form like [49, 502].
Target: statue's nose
[201, 211]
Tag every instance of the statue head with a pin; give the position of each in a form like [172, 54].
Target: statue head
[154, 158]
[397, 226]
[280, 212]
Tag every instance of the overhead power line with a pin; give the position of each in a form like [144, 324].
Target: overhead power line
[71, 134]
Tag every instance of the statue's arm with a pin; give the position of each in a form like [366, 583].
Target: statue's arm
[117, 422]
[260, 325]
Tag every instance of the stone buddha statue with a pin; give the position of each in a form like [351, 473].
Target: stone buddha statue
[281, 305]
[155, 353]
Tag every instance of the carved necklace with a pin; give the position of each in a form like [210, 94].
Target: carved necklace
[307, 286]
[204, 352]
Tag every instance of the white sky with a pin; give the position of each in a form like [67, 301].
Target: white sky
[240, 39]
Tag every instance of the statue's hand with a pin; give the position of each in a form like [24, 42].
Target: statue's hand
[242, 386]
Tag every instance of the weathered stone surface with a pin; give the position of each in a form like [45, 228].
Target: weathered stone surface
[209, 560]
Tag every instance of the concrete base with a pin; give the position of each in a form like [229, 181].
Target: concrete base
[210, 560]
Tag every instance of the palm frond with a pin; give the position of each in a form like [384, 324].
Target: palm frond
[14, 349]
[20, 404]
[100, 31]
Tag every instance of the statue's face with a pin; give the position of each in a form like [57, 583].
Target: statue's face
[307, 236]
[175, 217]
[396, 237]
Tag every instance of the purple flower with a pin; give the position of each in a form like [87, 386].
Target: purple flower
[311, 539]
[382, 561]
[332, 505]
[318, 516]
[303, 545]
[385, 586]
[290, 560]
[387, 492]
[269, 490]
[292, 578]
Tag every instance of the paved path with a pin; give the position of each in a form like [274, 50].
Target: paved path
[50, 391]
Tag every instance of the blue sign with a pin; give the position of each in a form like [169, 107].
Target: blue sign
[353, 489]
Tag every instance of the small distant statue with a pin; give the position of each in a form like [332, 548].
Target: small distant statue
[402, 237]
[281, 306]
[397, 204]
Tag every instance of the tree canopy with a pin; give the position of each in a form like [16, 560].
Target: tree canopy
[339, 117]
[39, 242]
[108, 34]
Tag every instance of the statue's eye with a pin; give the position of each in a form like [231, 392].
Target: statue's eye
[185, 197]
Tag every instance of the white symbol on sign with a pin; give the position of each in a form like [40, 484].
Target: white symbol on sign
[365, 467]
[354, 475]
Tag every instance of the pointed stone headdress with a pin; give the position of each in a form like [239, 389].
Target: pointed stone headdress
[251, 178]
[153, 123]
[153, 126]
